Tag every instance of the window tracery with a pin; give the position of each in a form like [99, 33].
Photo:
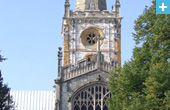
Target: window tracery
[91, 39]
[88, 37]
[91, 98]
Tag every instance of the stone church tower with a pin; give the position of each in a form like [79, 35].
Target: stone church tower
[91, 49]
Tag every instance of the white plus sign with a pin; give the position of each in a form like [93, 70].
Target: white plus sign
[162, 6]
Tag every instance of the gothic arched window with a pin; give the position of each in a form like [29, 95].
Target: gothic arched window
[91, 98]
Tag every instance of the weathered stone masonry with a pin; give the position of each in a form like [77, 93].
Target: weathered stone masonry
[87, 60]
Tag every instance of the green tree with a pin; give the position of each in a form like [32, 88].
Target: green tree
[143, 83]
[6, 102]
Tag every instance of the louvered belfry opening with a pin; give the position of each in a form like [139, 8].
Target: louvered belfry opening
[91, 98]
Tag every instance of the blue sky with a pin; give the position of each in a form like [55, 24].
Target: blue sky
[30, 34]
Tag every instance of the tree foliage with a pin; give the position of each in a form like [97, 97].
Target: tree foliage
[6, 102]
[2, 59]
[143, 83]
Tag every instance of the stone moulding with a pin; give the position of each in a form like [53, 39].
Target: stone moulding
[88, 13]
[94, 20]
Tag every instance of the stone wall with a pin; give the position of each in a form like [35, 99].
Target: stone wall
[118, 51]
[66, 52]
[71, 86]
[108, 45]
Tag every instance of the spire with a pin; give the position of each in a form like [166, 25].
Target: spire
[117, 8]
[67, 3]
[117, 2]
[67, 9]
[82, 5]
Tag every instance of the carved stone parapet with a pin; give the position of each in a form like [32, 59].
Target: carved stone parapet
[84, 66]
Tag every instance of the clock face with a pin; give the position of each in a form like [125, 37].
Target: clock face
[88, 37]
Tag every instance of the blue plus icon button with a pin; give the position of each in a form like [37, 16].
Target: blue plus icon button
[162, 6]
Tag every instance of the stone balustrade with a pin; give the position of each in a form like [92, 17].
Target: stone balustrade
[79, 69]
[105, 66]
[83, 67]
